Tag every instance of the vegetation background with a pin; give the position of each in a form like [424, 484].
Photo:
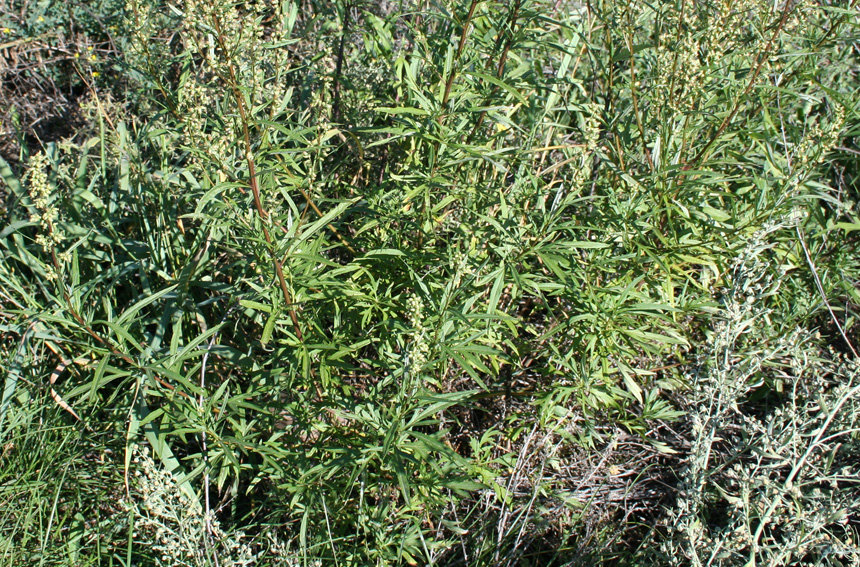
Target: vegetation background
[437, 282]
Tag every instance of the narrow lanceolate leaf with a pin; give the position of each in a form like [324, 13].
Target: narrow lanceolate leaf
[499, 83]
[129, 313]
[402, 110]
[325, 219]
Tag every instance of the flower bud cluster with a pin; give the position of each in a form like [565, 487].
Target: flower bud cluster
[46, 214]
[419, 348]
[701, 45]
[820, 140]
[583, 152]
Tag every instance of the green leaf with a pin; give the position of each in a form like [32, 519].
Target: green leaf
[402, 110]
[501, 84]
[269, 328]
[325, 220]
[256, 306]
[134, 309]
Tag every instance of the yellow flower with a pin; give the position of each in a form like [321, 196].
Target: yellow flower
[95, 73]
[40, 19]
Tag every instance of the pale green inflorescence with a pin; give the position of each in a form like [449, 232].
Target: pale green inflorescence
[47, 214]
[419, 348]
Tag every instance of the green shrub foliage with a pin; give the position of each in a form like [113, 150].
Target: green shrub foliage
[443, 283]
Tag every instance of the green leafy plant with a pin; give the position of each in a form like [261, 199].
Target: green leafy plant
[441, 283]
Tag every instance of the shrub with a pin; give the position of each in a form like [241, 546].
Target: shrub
[389, 283]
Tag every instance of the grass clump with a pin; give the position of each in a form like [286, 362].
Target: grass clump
[382, 283]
